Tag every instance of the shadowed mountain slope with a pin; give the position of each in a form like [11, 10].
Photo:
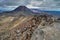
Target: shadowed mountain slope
[24, 9]
[21, 10]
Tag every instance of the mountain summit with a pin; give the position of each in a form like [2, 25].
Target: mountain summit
[22, 8]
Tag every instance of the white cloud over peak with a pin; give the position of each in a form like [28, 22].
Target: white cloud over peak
[37, 3]
[30, 3]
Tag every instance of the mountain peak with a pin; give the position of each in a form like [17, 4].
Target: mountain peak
[24, 9]
[21, 8]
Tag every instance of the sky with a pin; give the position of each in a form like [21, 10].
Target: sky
[42, 4]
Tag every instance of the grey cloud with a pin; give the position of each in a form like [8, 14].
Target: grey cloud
[13, 2]
[45, 3]
[38, 3]
[34, 3]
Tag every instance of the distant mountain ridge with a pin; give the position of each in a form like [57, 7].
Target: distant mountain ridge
[47, 11]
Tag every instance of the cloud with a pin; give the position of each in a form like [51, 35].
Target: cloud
[45, 3]
[11, 4]
[37, 3]
[30, 3]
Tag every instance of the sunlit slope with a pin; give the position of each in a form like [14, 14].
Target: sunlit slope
[8, 23]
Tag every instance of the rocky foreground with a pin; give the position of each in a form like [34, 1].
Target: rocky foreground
[33, 28]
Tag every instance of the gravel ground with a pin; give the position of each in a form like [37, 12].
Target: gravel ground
[38, 28]
[47, 32]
